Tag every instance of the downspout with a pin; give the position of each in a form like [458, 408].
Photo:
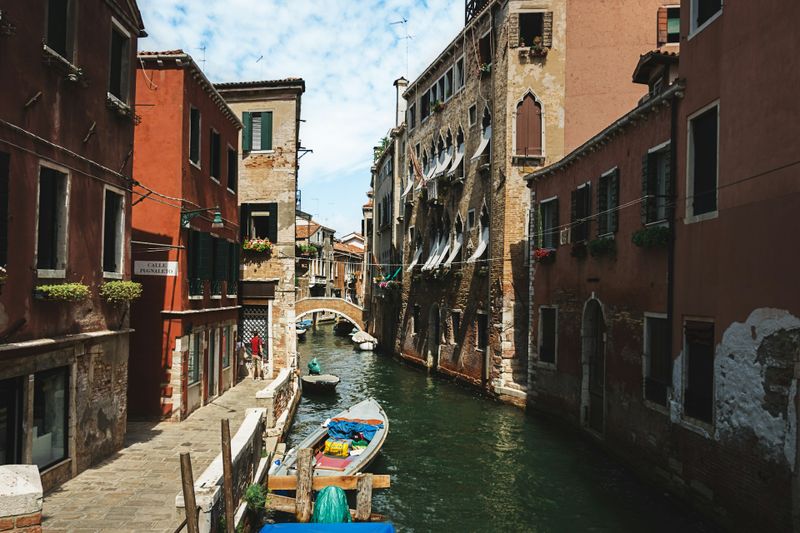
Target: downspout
[487, 356]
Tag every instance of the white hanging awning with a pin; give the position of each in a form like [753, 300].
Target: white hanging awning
[456, 248]
[457, 161]
[442, 254]
[484, 242]
[430, 172]
[415, 260]
[485, 138]
[435, 251]
[409, 187]
[444, 162]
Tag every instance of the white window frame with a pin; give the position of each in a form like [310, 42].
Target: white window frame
[261, 118]
[131, 82]
[120, 234]
[469, 114]
[199, 163]
[455, 77]
[513, 111]
[72, 13]
[215, 179]
[478, 347]
[657, 149]
[58, 273]
[541, 203]
[690, 217]
[539, 332]
[693, 424]
[608, 213]
[663, 409]
[693, 28]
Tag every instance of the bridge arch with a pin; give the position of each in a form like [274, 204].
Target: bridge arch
[348, 310]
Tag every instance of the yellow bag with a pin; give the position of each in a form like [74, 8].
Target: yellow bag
[337, 448]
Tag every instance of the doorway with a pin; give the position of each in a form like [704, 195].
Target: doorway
[593, 341]
[213, 362]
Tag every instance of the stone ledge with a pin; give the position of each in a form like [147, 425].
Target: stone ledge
[20, 490]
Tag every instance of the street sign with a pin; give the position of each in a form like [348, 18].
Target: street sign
[155, 268]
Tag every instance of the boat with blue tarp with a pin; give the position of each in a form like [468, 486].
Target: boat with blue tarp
[351, 527]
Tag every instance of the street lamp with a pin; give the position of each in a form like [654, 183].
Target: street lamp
[187, 216]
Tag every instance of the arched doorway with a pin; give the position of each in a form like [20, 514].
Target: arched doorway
[593, 348]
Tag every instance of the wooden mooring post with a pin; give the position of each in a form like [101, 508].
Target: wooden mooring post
[227, 477]
[305, 473]
[189, 502]
[364, 498]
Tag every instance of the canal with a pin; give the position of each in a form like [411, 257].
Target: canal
[461, 462]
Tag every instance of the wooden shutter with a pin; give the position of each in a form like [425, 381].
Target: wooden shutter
[614, 218]
[547, 29]
[554, 224]
[644, 209]
[220, 259]
[247, 132]
[529, 127]
[602, 205]
[574, 232]
[266, 130]
[192, 254]
[661, 24]
[205, 257]
[233, 263]
[272, 231]
[244, 220]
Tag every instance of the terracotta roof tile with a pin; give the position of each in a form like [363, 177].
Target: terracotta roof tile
[304, 231]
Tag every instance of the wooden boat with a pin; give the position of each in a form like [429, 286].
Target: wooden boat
[301, 332]
[319, 383]
[368, 409]
[364, 341]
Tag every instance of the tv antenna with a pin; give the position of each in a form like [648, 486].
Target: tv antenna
[406, 37]
[203, 61]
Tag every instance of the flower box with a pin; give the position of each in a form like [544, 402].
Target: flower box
[652, 237]
[261, 246]
[602, 246]
[544, 255]
[438, 106]
[62, 292]
[120, 291]
[485, 69]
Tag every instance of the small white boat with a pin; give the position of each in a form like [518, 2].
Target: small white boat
[369, 411]
[301, 332]
[364, 341]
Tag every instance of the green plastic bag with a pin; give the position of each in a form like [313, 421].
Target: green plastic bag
[313, 367]
[331, 507]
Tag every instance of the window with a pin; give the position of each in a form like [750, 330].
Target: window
[194, 136]
[699, 389]
[529, 127]
[259, 221]
[703, 11]
[51, 249]
[455, 319]
[50, 412]
[470, 220]
[424, 105]
[458, 75]
[608, 203]
[673, 24]
[485, 49]
[200, 257]
[215, 155]
[448, 84]
[703, 130]
[226, 354]
[4, 165]
[220, 265]
[548, 226]
[655, 185]
[657, 360]
[581, 211]
[483, 331]
[193, 367]
[257, 133]
[233, 269]
[113, 232]
[412, 117]
[61, 27]
[233, 170]
[119, 70]
[11, 421]
[548, 331]
[531, 25]
[415, 319]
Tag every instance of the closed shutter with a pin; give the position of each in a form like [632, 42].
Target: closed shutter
[220, 259]
[547, 29]
[602, 205]
[529, 127]
[244, 220]
[205, 257]
[645, 209]
[668, 183]
[192, 254]
[272, 231]
[266, 130]
[574, 233]
[614, 218]
[233, 264]
[662, 26]
[247, 132]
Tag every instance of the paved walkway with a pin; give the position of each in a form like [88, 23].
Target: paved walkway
[135, 489]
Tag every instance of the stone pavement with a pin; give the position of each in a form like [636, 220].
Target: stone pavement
[135, 489]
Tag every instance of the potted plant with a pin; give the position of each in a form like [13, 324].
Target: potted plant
[438, 106]
[538, 49]
[485, 69]
[62, 292]
[120, 291]
[602, 246]
[578, 250]
[262, 246]
[306, 250]
[544, 255]
[652, 237]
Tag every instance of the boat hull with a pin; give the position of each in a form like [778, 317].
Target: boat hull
[321, 384]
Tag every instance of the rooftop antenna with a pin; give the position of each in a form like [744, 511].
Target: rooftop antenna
[262, 66]
[203, 61]
[407, 37]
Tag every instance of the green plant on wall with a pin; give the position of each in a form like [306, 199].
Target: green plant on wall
[120, 291]
[652, 237]
[65, 292]
[256, 498]
[602, 246]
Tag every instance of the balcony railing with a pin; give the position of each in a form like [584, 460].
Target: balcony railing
[232, 288]
[195, 287]
[216, 287]
[433, 190]
[472, 8]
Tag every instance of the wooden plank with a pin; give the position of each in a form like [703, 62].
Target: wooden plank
[320, 482]
[364, 498]
[285, 504]
[227, 476]
[305, 474]
[189, 502]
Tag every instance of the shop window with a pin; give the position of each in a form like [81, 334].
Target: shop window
[655, 185]
[194, 135]
[226, 355]
[529, 127]
[233, 170]
[657, 360]
[50, 412]
[61, 27]
[581, 211]
[51, 249]
[483, 331]
[699, 390]
[608, 203]
[113, 232]
[257, 132]
[548, 331]
[119, 72]
[703, 161]
[215, 155]
[193, 367]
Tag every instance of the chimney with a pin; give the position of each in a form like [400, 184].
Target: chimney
[401, 84]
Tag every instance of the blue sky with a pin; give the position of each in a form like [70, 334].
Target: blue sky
[347, 51]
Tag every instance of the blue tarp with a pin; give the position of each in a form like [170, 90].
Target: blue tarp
[357, 527]
[344, 429]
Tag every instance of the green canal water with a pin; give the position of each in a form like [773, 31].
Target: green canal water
[462, 462]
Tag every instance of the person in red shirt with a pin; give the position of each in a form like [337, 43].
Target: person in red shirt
[256, 347]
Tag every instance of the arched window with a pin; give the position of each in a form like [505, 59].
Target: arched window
[529, 127]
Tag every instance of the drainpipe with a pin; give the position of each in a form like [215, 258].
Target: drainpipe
[488, 355]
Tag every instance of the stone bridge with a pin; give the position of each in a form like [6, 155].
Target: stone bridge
[348, 310]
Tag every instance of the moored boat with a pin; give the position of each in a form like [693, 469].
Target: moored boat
[320, 383]
[364, 341]
[301, 332]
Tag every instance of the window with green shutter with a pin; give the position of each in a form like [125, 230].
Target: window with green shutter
[655, 185]
[608, 203]
[257, 133]
[220, 266]
[205, 256]
[233, 267]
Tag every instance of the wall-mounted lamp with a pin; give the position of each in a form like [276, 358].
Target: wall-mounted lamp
[187, 216]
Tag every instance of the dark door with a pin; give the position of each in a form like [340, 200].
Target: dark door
[10, 421]
[594, 350]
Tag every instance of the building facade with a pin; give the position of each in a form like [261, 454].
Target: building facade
[185, 240]
[270, 114]
[665, 310]
[66, 132]
[347, 263]
[516, 89]
[315, 265]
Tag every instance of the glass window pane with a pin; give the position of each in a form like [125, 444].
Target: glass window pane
[49, 417]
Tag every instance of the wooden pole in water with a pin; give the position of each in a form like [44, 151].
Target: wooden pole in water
[364, 498]
[227, 476]
[189, 502]
[304, 484]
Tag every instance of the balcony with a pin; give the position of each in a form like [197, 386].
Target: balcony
[196, 287]
[433, 190]
[216, 287]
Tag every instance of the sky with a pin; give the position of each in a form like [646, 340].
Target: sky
[349, 54]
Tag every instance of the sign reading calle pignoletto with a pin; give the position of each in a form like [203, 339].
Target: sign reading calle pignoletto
[155, 268]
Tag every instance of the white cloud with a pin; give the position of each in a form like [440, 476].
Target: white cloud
[348, 53]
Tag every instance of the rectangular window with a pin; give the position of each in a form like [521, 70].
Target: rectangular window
[473, 114]
[226, 354]
[608, 203]
[548, 331]
[699, 389]
[259, 221]
[703, 10]
[415, 319]
[233, 170]
[455, 318]
[485, 49]
[50, 412]
[194, 135]
[193, 263]
[60, 27]
[458, 75]
[424, 106]
[655, 186]
[673, 24]
[581, 211]
[531, 26]
[470, 220]
[193, 367]
[657, 360]
[448, 84]
[11, 421]
[233, 269]
[215, 155]
[51, 249]
[113, 232]
[412, 116]
[548, 211]
[257, 134]
[483, 331]
[119, 72]
[4, 166]
[703, 131]
[219, 265]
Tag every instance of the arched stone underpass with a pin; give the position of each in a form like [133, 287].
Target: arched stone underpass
[348, 310]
